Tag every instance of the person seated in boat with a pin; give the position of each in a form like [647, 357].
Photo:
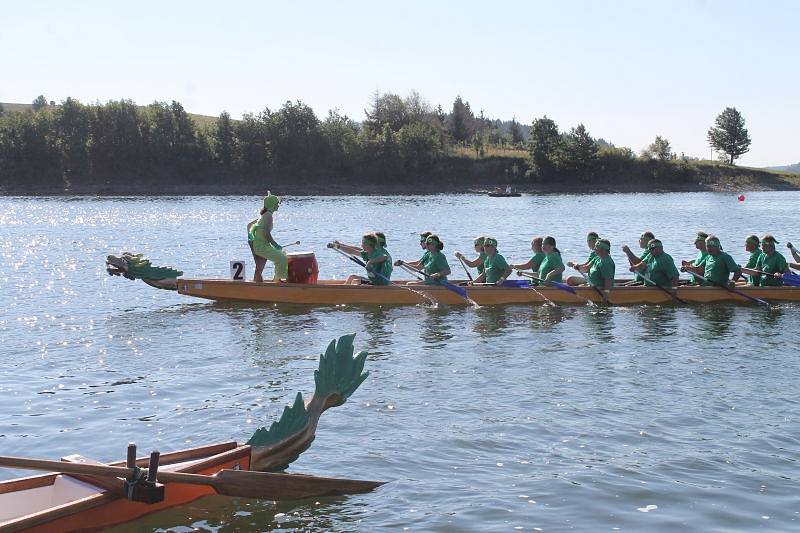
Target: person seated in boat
[263, 245]
[771, 262]
[536, 259]
[378, 262]
[496, 269]
[633, 259]
[435, 266]
[478, 261]
[717, 267]
[601, 271]
[702, 254]
[591, 240]
[551, 267]
[382, 243]
[508, 189]
[658, 267]
[795, 253]
[752, 245]
[423, 243]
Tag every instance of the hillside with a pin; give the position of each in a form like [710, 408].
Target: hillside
[199, 120]
[793, 169]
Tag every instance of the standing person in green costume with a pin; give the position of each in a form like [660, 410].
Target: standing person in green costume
[702, 254]
[601, 271]
[496, 269]
[591, 241]
[644, 239]
[478, 261]
[752, 245]
[771, 262]
[378, 261]
[717, 266]
[552, 267]
[536, 259]
[434, 262]
[263, 246]
[659, 267]
[423, 243]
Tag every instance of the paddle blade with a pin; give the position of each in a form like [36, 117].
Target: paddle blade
[517, 283]
[267, 486]
[563, 287]
[791, 279]
[456, 289]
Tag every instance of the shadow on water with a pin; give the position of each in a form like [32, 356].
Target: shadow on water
[435, 328]
[657, 321]
[600, 321]
[713, 321]
[491, 321]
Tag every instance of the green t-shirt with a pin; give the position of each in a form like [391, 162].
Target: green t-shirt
[592, 257]
[384, 269]
[551, 262]
[425, 256]
[436, 262]
[751, 263]
[719, 268]
[601, 270]
[701, 258]
[495, 267]
[643, 258]
[771, 264]
[661, 270]
[482, 259]
[536, 260]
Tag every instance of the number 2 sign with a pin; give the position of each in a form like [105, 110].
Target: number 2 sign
[238, 271]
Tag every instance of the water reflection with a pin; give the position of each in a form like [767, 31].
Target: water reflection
[657, 321]
[491, 321]
[377, 327]
[600, 321]
[547, 317]
[436, 327]
[713, 321]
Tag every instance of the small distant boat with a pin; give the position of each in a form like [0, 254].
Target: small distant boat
[80, 494]
[505, 194]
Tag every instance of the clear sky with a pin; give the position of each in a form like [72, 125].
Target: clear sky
[628, 70]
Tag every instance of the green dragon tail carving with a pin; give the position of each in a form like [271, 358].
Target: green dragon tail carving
[338, 376]
[137, 266]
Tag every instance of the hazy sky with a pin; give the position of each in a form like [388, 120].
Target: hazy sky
[628, 70]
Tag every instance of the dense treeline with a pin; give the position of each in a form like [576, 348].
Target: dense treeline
[401, 139]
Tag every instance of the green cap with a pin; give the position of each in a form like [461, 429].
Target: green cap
[713, 241]
[432, 239]
[701, 236]
[654, 243]
[769, 238]
[490, 241]
[271, 202]
[479, 241]
[604, 244]
[592, 236]
[752, 239]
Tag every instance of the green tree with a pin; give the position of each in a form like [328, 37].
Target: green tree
[294, 136]
[72, 135]
[579, 150]
[252, 145]
[659, 149]
[420, 145]
[341, 136]
[544, 145]
[224, 139]
[729, 135]
[40, 102]
[461, 122]
[515, 132]
[388, 109]
[478, 145]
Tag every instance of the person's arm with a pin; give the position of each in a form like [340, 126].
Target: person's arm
[443, 273]
[632, 259]
[641, 266]
[553, 273]
[523, 266]
[470, 262]
[347, 248]
[506, 273]
[268, 232]
[795, 253]
[481, 278]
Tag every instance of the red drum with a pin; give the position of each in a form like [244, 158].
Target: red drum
[303, 268]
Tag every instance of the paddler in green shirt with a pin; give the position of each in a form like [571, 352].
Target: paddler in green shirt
[496, 269]
[644, 239]
[659, 267]
[601, 273]
[752, 245]
[702, 254]
[435, 264]
[552, 266]
[423, 237]
[591, 241]
[771, 262]
[717, 266]
[378, 261]
[478, 261]
[536, 259]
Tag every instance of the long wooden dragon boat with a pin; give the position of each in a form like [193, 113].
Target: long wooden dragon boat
[337, 292]
[81, 494]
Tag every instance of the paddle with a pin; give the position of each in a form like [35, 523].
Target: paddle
[729, 289]
[673, 295]
[601, 293]
[455, 288]
[788, 279]
[239, 483]
[556, 284]
[463, 264]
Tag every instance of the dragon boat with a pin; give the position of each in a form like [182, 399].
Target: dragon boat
[82, 494]
[337, 292]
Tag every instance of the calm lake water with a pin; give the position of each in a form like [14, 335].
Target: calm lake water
[493, 419]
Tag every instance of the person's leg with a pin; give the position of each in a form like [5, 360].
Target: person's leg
[575, 280]
[281, 263]
[260, 263]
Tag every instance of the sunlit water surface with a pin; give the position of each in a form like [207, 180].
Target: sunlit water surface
[491, 419]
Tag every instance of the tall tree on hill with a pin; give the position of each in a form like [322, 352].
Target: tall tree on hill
[461, 123]
[388, 109]
[659, 149]
[515, 132]
[39, 102]
[224, 139]
[544, 145]
[72, 135]
[579, 150]
[729, 135]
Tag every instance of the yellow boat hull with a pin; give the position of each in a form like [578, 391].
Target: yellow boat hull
[332, 292]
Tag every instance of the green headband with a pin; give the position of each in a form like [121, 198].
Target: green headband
[654, 243]
[713, 242]
[769, 238]
[489, 241]
[604, 244]
[752, 239]
[592, 236]
[271, 203]
[432, 239]
[479, 241]
[701, 236]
